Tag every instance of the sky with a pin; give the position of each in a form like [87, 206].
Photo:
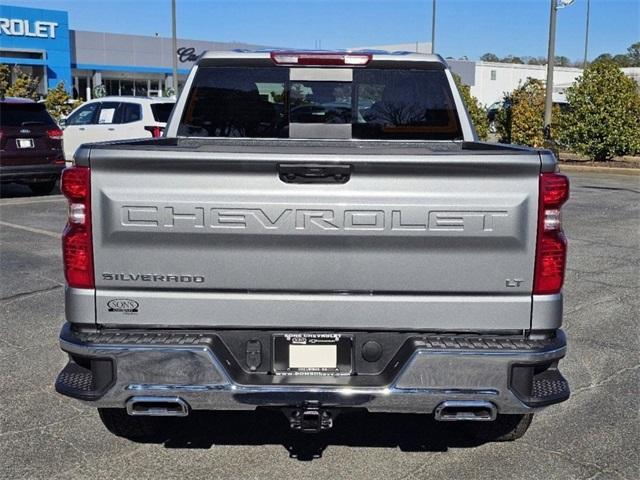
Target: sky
[463, 27]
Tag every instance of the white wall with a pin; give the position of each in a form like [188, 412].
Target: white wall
[632, 72]
[508, 76]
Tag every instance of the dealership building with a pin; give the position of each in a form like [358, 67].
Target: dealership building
[92, 64]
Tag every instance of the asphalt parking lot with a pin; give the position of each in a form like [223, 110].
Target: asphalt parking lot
[595, 435]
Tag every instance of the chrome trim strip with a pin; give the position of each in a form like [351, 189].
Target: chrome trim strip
[346, 391]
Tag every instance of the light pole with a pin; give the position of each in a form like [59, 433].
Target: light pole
[174, 47]
[433, 26]
[586, 36]
[555, 6]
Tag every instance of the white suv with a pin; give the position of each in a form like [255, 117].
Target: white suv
[114, 118]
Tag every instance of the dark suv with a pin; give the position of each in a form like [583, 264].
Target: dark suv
[30, 145]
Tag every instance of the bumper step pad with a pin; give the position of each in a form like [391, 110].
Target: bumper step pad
[86, 383]
[550, 386]
[546, 388]
[75, 379]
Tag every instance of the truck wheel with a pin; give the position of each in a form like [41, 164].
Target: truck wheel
[118, 422]
[505, 428]
[43, 188]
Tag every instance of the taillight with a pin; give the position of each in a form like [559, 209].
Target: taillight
[77, 244]
[321, 58]
[155, 131]
[54, 134]
[551, 248]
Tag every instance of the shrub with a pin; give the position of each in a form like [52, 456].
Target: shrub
[5, 75]
[604, 116]
[521, 120]
[24, 85]
[477, 113]
[59, 103]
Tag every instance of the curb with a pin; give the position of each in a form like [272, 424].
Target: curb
[612, 170]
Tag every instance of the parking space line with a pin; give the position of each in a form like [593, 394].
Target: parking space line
[32, 230]
[28, 201]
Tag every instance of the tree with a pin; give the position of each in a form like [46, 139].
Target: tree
[562, 61]
[634, 54]
[622, 60]
[24, 85]
[604, 118]
[536, 60]
[605, 57]
[629, 59]
[59, 103]
[477, 113]
[511, 59]
[5, 77]
[489, 57]
[521, 120]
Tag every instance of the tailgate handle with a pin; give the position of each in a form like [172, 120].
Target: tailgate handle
[314, 173]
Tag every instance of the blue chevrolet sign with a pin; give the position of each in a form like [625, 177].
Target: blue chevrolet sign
[37, 37]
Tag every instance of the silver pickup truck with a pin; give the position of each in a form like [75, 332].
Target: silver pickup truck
[316, 232]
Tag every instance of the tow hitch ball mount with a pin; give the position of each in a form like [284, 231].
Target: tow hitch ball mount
[310, 418]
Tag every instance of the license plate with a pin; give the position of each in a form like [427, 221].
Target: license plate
[312, 354]
[24, 142]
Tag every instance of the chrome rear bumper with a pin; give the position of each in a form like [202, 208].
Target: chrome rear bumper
[107, 369]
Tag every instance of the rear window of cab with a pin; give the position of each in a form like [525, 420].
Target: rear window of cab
[262, 102]
[24, 114]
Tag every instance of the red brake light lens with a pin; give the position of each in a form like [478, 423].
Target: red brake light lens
[75, 183]
[551, 249]
[54, 134]
[550, 263]
[77, 253]
[321, 59]
[554, 189]
[77, 242]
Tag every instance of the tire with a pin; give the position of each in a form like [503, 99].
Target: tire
[121, 424]
[505, 428]
[43, 188]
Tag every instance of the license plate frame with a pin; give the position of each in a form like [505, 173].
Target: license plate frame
[24, 143]
[296, 353]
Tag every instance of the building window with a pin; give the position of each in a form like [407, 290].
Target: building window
[493, 74]
[126, 87]
[140, 88]
[38, 72]
[22, 54]
[112, 86]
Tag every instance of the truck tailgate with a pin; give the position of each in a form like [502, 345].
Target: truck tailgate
[410, 241]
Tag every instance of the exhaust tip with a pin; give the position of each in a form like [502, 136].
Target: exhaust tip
[463, 410]
[157, 407]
